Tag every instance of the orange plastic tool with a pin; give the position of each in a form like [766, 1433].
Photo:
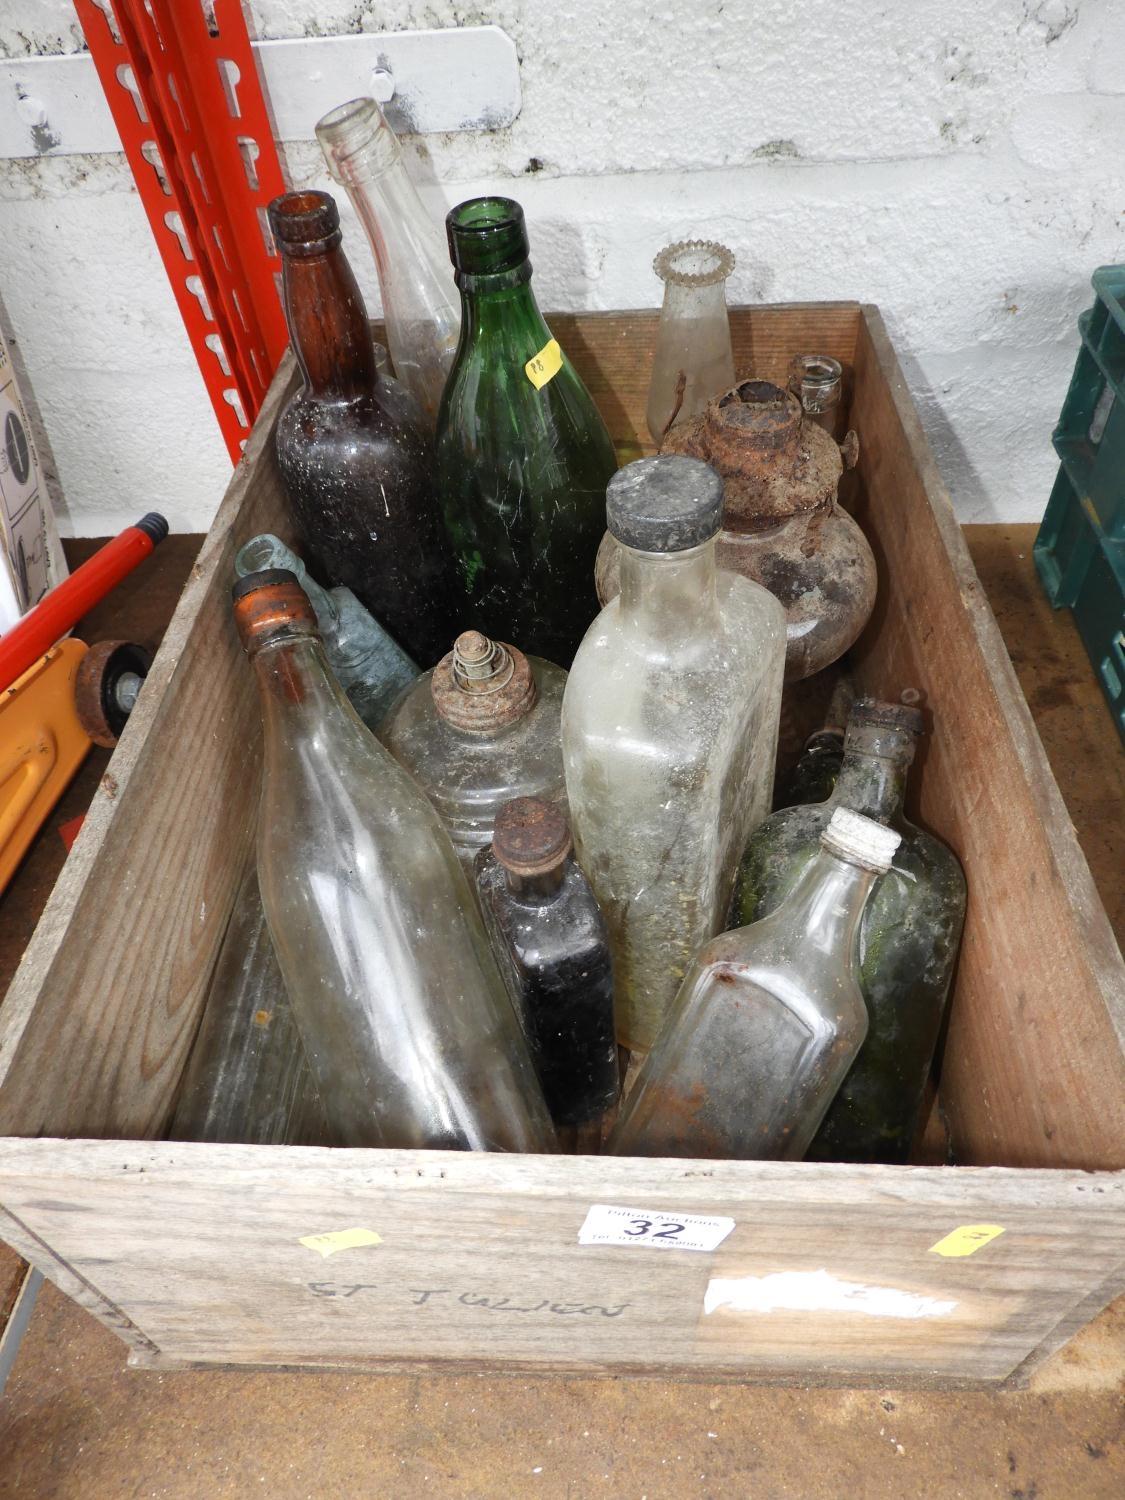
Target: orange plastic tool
[42, 744]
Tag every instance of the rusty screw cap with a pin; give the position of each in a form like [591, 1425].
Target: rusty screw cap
[754, 412]
[482, 685]
[268, 602]
[893, 715]
[305, 224]
[531, 836]
[664, 504]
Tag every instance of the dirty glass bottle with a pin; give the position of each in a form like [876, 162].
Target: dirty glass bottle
[523, 455]
[479, 729]
[247, 1079]
[353, 458]
[406, 1023]
[908, 941]
[768, 1019]
[420, 303]
[813, 778]
[370, 666]
[669, 728]
[693, 361]
[553, 949]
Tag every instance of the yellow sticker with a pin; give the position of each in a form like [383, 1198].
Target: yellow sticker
[340, 1239]
[545, 365]
[967, 1239]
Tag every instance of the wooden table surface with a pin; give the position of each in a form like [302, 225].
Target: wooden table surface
[1073, 721]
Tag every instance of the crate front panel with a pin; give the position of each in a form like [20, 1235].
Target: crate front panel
[829, 1271]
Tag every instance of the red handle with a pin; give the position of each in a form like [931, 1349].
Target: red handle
[69, 600]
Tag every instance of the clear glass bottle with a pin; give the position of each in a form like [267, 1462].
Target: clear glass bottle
[406, 1023]
[523, 455]
[420, 304]
[817, 380]
[908, 940]
[693, 360]
[479, 729]
[247, 1079]
[370, 666]
[354, 459]
[669, 730]
[768, 1020]
[551, 941]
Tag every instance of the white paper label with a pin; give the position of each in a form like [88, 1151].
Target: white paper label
[652, 1228]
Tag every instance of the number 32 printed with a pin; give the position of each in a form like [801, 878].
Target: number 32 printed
[653, 1229]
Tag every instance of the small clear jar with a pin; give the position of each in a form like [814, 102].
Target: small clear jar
[693, 360]
[480, 728]
[817, 380]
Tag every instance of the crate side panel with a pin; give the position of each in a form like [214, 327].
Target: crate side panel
[1034, 1069]
[829, 1271]
[97, 1023]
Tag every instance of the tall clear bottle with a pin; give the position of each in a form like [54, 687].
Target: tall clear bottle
[370, 666]
[408, 1029]
[669, 729]
[908, 942]
[420, 303]
[523, 455]
[768, 1020]
[354, 458]
[479, 729]
[694, 361]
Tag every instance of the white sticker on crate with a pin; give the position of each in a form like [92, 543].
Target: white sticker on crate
[652, 1228]
[817, 1291]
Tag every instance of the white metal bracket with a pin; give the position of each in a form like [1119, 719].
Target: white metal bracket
[462, 78]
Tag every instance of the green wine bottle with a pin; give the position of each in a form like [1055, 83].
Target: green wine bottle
[523, 455]
[909, 937]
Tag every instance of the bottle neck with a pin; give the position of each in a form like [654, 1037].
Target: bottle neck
[873, 773]
[296, 685]
[501, 301]
[825, 906]
[695, 301]
[328, 326]
[536, 889]
[669, 592]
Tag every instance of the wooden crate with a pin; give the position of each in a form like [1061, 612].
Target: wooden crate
[193, 1252]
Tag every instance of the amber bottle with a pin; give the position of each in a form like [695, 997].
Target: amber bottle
[355, 463]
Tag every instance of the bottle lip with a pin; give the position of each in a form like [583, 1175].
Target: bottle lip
[694, 263]
[351, 129]
[305, 223]
[487, 235]
[531, 836]
[268, 604]
[670, 503]
[860, 840]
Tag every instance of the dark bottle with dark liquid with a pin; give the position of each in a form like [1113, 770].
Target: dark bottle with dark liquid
[356, 465]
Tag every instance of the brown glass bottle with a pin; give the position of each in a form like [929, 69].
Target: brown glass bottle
[350, 444]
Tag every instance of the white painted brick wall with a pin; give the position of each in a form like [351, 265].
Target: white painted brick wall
[958, 164]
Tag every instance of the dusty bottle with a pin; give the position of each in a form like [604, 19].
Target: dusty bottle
[370, 666]
[523, 455]
[693, 362]
[768, 1020]
[551, 941]
[356, 466]
[669, 733]
[247, 1079]
[814, 776]
[482, 727]
[817, 380]
[420, 304]
[407, 1026]
[908, 941]
[782, 525]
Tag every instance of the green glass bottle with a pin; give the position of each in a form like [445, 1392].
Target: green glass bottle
[908, 940]
[523, 455]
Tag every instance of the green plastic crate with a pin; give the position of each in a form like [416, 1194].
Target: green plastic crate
[1080, 548]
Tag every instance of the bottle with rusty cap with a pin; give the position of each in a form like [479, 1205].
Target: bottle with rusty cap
[353, 456]
[523, 456]
[406, 1023]
[551, 942]
[782, 525]
[479, 729]
[909, 938]
[420, 303]
[669, 729]
[768, 1020]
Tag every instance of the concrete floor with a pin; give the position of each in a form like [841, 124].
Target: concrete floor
[76, 1423]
